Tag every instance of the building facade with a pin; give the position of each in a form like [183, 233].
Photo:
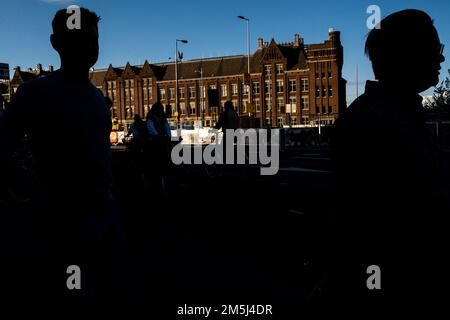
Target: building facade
[289, 84]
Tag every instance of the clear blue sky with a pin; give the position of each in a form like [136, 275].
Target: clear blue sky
[135, 30]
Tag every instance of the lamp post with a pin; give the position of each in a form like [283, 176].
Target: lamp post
[177, 106]
[202, 95]
[247, 20]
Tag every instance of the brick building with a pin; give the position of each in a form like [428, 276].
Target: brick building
[291, 82]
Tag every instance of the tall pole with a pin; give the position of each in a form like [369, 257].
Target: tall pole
[247, 20]
[176, 84]
[177, 106]
[202, 98]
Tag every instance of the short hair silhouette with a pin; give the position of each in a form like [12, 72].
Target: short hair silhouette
[157, 110]
[406, 33]
[400, 42]
[87, 19]
[229, 106]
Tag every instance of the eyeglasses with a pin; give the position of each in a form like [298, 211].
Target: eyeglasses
[441, 48]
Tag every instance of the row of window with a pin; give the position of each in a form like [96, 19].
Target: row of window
[129, 83]
[256, 89]
[324, 92]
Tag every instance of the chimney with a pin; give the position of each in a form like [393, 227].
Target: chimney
[17, 68]
[266, 44]
[334, 36]
[260, 43]
[50, 68]
[297, 40]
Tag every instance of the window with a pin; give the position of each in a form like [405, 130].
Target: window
[235, 104]
[280, 122]
[182, 108]
[146, 109]
[279, 69]
[256, 88]
[268, 69]
[171, 93]
[317, 75]
[304, 85]
[150, 93]
[317, 92]
[305, 102]
[191, 92]
[292, 85]
[127, 84]
[324, 110]
[192, 109]
[330, 109]
[257, 105]
[330, 91]
[145, 94]
[317, 110]
[329, 74]
[234, 89]
[244, 105]
[323, 74]
[181, 93]
[202, 91]
[280, 86]
[162, 94]
[305, 120]
[280, 104]
[324, 90]
[268, 87]
[244, 88]
[223, 90]
[292, 108]
[268, 105]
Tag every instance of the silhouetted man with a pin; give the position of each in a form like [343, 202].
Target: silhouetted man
[68, 124]
[388, 173]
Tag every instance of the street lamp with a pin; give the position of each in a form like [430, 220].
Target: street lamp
[177, 106]
[202, 94]
[248, 54]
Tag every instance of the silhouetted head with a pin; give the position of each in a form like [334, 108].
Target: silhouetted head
[229, 106]
[77, 48]
[157, 111]
[137, 118]
[406, 51]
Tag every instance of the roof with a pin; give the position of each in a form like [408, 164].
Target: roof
[97, 77]
[294, 56]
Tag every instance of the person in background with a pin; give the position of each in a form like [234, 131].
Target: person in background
[156, 150]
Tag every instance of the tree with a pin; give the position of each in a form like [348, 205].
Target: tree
[438, 111]
[439, 104]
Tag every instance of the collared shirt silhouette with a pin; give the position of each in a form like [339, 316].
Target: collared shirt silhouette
[388, 170]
